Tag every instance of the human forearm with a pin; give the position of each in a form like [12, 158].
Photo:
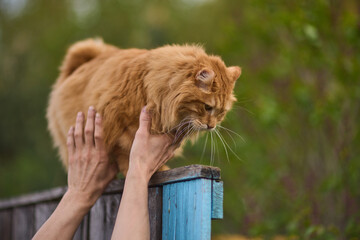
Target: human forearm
[132, 221]
[66, 218]
[89, 172]
[148, 153]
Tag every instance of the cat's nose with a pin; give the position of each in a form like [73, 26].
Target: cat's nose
[210, 127]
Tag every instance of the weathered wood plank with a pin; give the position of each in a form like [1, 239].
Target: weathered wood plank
[166, 212]
[42, 212]
[23, 223]
[155, 212]
[185, 173]
[97, 220]
[104, 212]
[82, 231]
[217, 200]
[182, 202]
[187, 210]
[103, 216]
[85, 227]
[203, 209]
[173, 212]
[190, 213]
[5, 224]
[173, 175]
[33, 198]
[159, 179]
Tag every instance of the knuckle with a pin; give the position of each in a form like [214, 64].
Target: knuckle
[141, 132]
[88, 131]
[98, 137]
[78, 135]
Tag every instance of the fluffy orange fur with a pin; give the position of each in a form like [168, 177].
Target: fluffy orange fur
[183, 87]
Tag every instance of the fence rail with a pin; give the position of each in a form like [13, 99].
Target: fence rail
[182, 202]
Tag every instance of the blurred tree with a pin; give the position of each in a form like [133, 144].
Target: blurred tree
[298, 107]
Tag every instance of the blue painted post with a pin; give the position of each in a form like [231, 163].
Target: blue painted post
[189, 206]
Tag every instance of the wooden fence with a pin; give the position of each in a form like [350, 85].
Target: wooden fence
[182, 202]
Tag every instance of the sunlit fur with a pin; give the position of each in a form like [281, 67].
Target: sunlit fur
[119, 82]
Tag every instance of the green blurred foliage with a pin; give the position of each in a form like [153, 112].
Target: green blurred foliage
[298, 167]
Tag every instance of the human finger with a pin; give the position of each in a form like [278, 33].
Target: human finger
[79, 130]
[70, 143]
[89, 127]
[145, 120]
[98, 135]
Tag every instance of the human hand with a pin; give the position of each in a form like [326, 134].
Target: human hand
[149, 152]
[90, 170]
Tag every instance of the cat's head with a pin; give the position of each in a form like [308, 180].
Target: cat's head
[197, 90]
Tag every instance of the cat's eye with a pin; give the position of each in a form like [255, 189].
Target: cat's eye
[208, 108]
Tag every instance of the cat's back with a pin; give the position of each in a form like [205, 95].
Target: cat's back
[89, 55]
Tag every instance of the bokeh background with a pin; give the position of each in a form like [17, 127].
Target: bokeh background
[297, 169]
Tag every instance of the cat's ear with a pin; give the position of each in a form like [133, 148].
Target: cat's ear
[234, 72]
[204, 79]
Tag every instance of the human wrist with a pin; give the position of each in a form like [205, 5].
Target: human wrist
[138, 174]
[81, 202]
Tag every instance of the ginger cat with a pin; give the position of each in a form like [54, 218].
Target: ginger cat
[185, 89]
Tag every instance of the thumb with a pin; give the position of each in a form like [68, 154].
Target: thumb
[145, 120]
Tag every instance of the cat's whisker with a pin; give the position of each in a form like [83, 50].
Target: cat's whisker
[182, 122]
[191, 131]
[187, 129]
[226, 129]
[181, 125]
[213, 160]
[243, 108]
[186, 126]
[230, 147]
[202, 154]
[227, 154]
[233, 140]
[182, 129]
[244, 100]
[217, 149]
[178, 134]
[212, 147]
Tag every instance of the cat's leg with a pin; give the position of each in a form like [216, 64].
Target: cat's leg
[122, 161]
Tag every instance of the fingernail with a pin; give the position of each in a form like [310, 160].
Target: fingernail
[79, 114]
[143, 109]
[91, 108]
[98, 115]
